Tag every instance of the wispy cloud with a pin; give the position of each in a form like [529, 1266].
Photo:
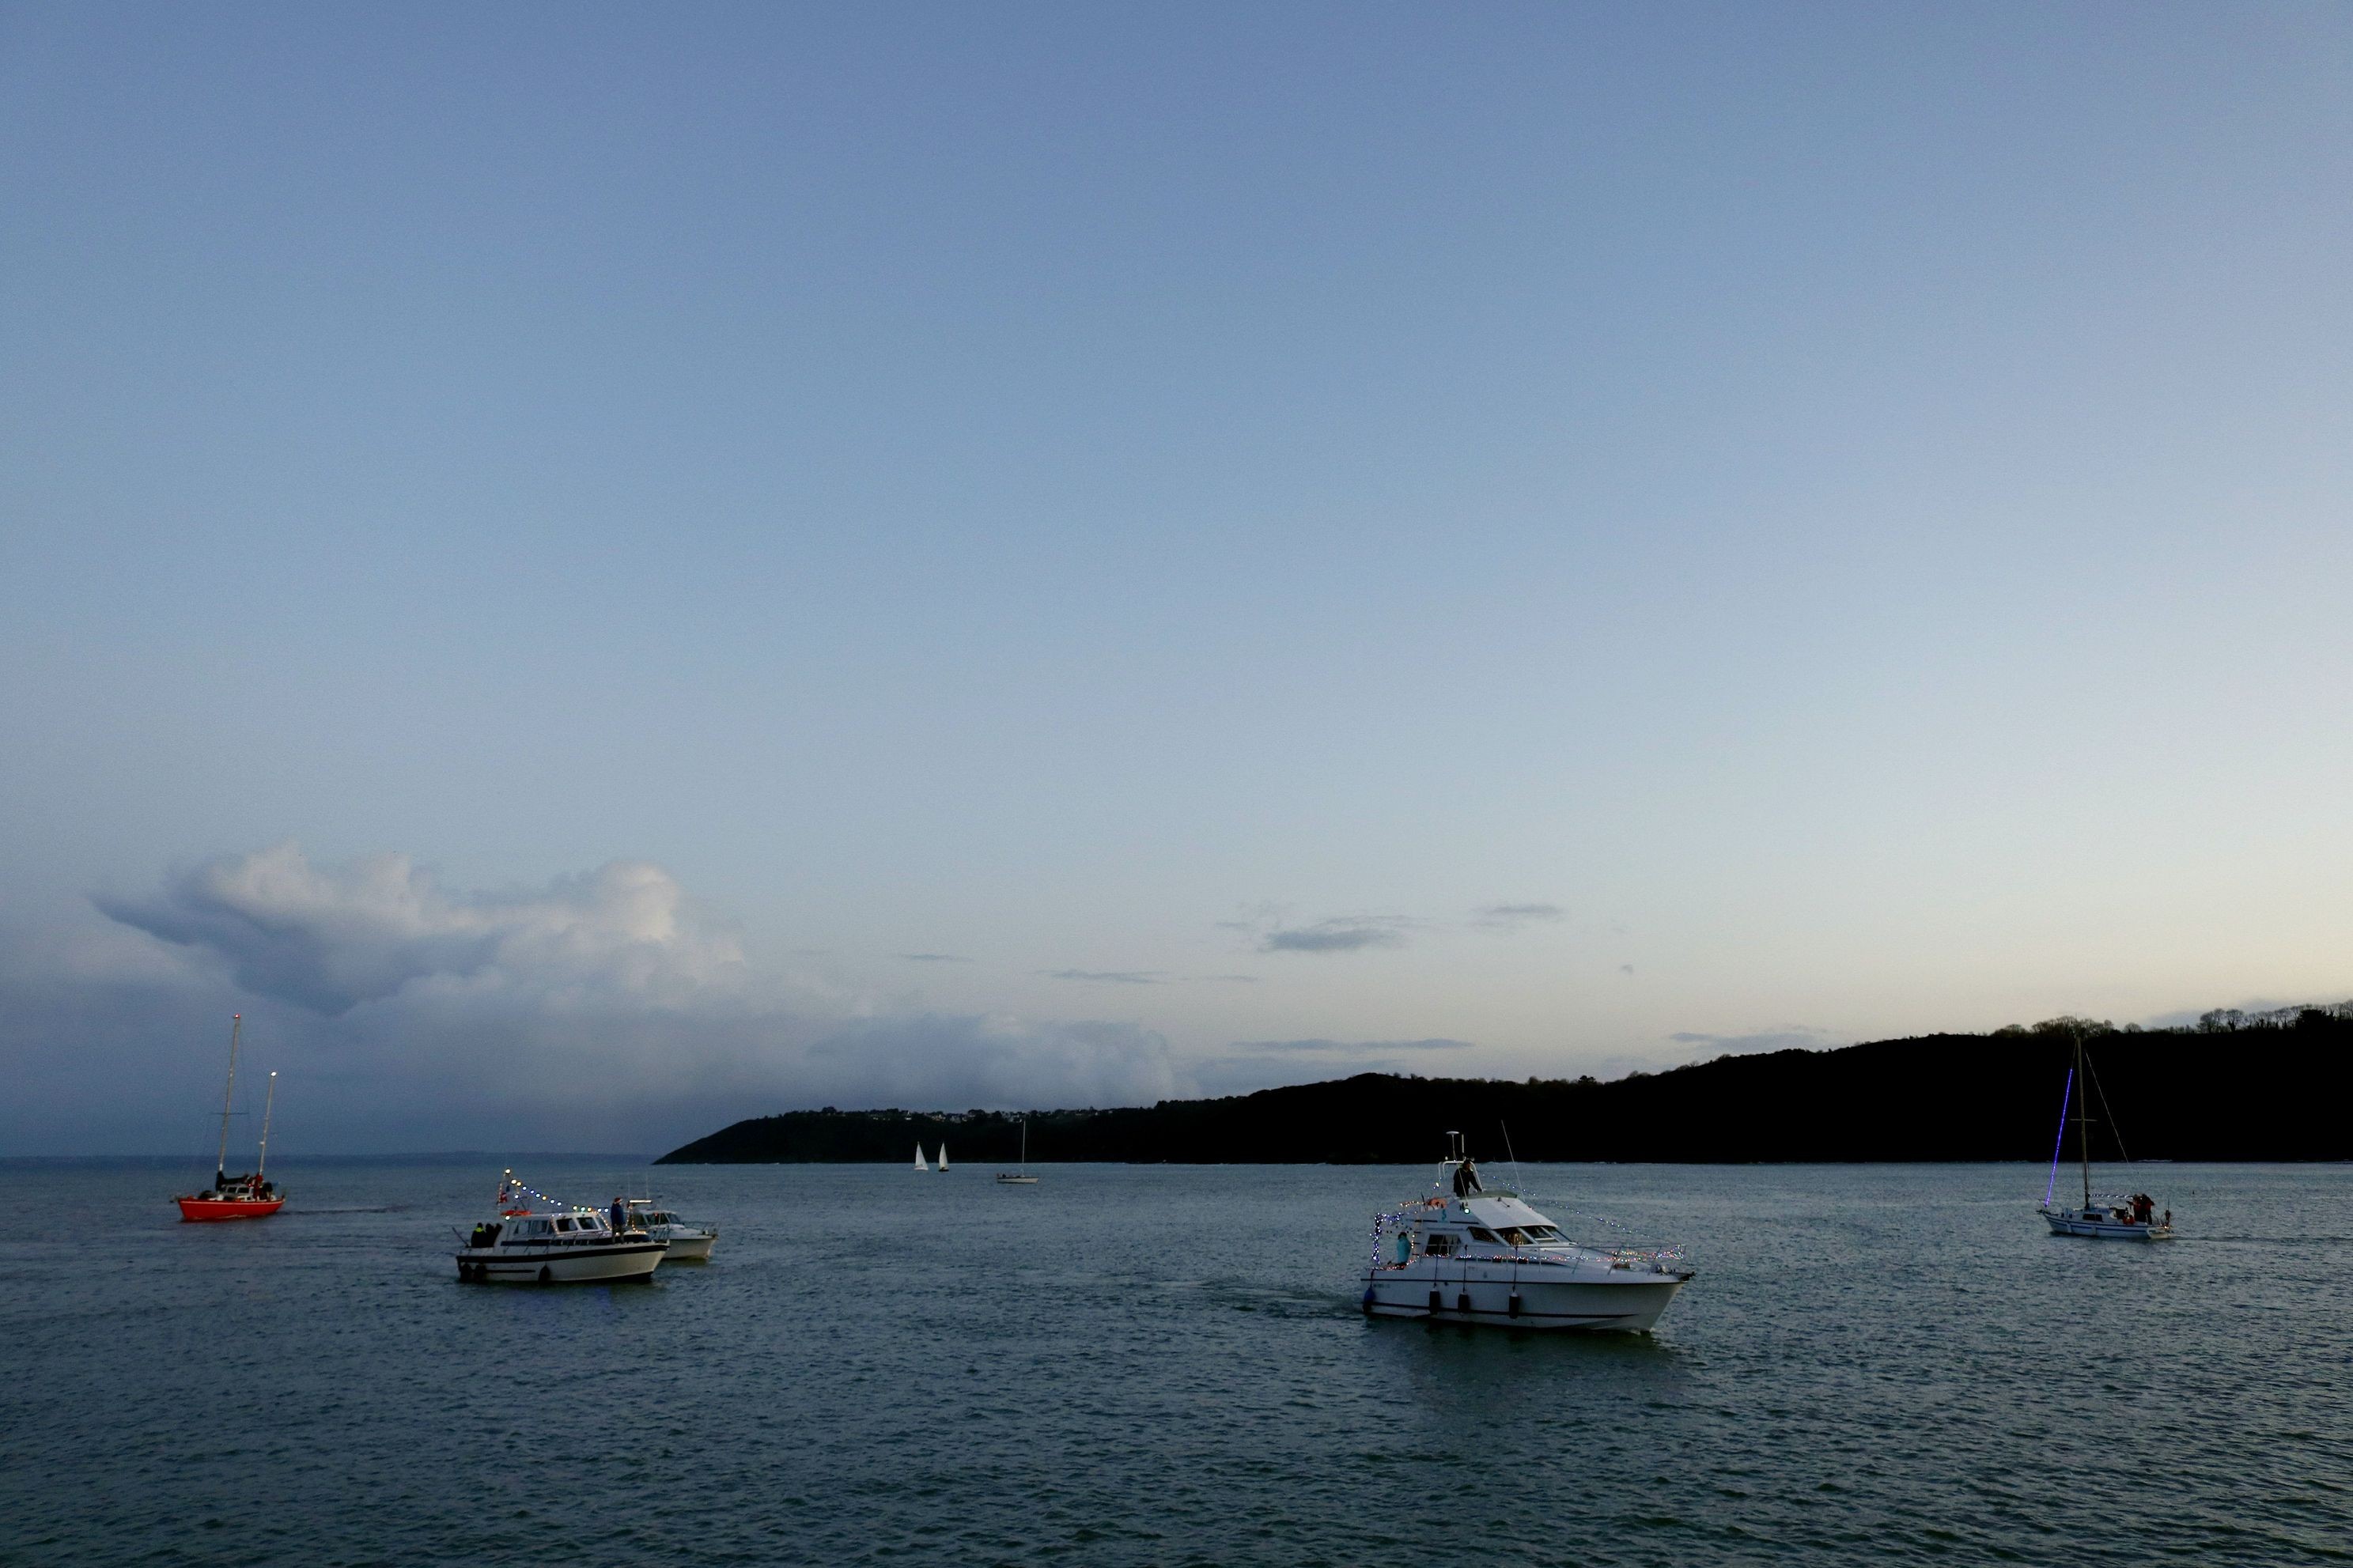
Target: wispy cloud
[1356, 1047]
[1788, 1036]
[1109, 976]
[1349, 934]
[1511, 917]
[934, 958]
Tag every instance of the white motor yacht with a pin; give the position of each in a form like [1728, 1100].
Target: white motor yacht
[537, 1240]
[688, 1243]
[1471, 1254]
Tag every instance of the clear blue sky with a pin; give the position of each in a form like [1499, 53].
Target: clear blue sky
[1832, 520]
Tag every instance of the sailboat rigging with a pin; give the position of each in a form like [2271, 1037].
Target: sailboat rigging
[2132, 1218]
[249, 1196]
[1021, 1177]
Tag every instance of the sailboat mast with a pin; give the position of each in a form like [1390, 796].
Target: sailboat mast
[267, 1101]
[2083, 1126]
[229, 1095]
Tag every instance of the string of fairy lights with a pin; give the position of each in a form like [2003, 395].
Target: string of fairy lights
[514, 1184]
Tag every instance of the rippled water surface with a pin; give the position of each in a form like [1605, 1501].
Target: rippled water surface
[1167, 1365]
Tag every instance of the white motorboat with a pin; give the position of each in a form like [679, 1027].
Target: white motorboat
[689, 1243]
[2132, 1217]
[537, 1240]
[1471, 1254]
[923, 1167]
[1020, 1177]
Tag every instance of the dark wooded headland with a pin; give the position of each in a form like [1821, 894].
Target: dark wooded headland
[2271, 1086]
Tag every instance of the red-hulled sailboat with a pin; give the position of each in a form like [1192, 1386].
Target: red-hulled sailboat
[236, 1197]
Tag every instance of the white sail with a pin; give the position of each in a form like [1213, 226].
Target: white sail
[944, 1156]
[919, 1160]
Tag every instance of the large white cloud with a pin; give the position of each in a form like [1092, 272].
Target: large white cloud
[330, 938]
[605, 1010]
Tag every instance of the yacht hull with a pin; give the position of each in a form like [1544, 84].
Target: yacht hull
[693, 1249]
[566, 1265]
[1631, 1305]
[2105, 1230]
[195, 1209]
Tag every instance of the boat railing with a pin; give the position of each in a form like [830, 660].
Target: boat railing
[1644, 1259]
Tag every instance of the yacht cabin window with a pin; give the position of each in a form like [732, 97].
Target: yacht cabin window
[1480, 1233]
[1439, 1244]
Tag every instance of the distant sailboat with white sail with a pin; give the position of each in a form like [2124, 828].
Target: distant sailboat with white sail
[943, 1154]
[920, 1168]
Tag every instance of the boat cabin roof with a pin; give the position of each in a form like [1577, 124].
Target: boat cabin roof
[1494, 1211]
[552, 1221]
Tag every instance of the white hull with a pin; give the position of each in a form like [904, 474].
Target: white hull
[690, 1249]
[1593, 1300]
[2063, 1223]
[560, 1265]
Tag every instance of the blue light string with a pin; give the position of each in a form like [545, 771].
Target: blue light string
[2060, 1141]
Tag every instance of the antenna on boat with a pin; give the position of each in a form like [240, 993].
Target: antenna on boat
[229, 1095]
[2083, 1127]
[267, 1101]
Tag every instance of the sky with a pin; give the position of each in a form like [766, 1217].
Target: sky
[598, 572]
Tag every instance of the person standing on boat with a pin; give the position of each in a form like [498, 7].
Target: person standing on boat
[621, 1214]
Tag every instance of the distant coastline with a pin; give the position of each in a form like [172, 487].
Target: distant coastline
[2273, 1087]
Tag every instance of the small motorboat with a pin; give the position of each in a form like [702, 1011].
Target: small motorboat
[2127, 1218]
[688, 1243]
[1471, 1254]
[248, 1196]
[537, 1240]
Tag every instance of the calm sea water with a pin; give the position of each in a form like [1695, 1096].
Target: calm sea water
[1167, 1365]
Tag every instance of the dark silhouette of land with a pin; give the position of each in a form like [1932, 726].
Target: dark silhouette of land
[2267, 1087]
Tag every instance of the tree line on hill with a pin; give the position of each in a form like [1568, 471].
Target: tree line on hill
[2275, 1089]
